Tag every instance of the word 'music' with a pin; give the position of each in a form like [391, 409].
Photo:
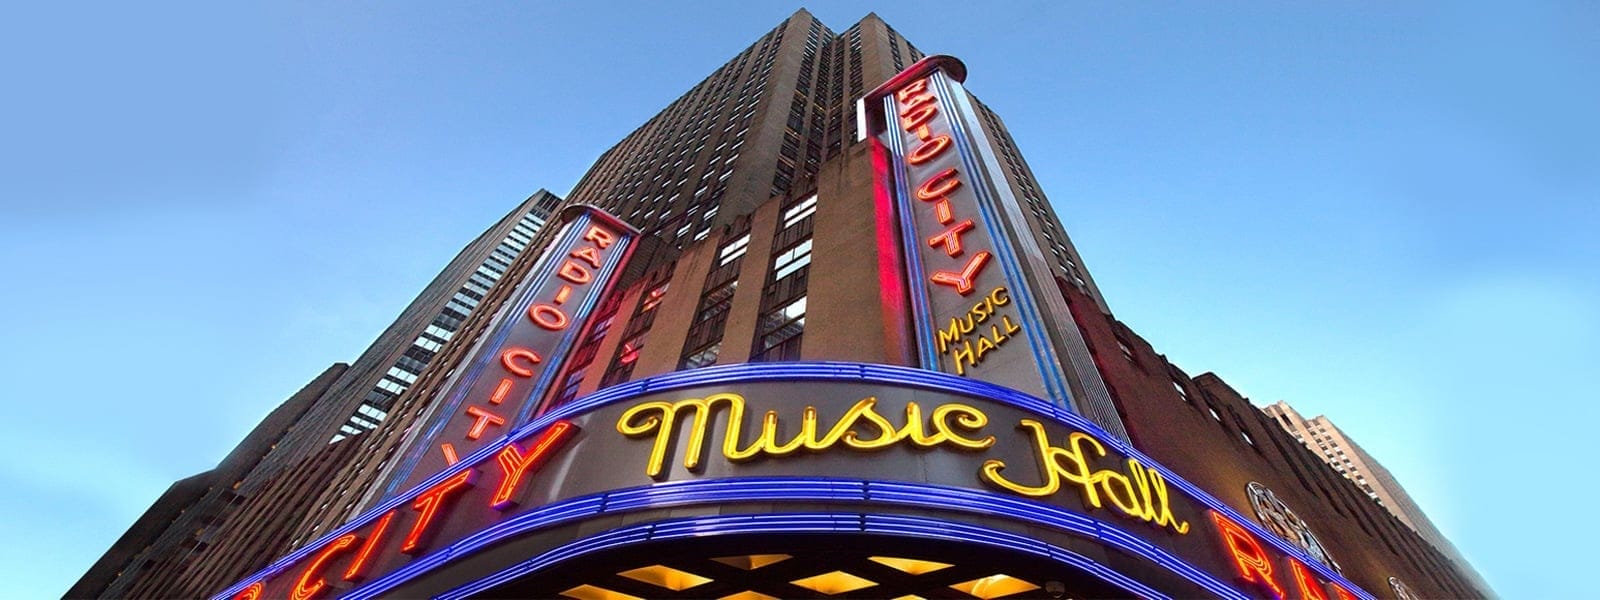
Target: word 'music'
[950, 422]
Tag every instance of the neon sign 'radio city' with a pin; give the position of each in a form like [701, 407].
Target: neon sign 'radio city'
[967, 287]
[516, 360]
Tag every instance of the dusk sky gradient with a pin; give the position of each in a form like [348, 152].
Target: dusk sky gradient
[1381, 213]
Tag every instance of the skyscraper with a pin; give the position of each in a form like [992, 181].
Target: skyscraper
[168, 548]
[814, 330]
[1328, 442]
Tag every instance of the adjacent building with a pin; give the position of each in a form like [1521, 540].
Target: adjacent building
[814, 330]
[173, 549]
[1328, 442]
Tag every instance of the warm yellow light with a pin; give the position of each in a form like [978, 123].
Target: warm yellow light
[995, 586]
[748, 595]
[909, 565]
[589, 592]
[837, 582]
[910, 597]
[666, 577]
[751, 562]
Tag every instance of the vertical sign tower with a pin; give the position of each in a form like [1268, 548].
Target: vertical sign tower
[976, 310]
[510, 370]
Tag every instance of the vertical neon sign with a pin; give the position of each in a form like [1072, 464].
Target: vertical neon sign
[974, 315]
[515, 361]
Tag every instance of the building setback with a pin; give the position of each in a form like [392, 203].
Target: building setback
[813, 331]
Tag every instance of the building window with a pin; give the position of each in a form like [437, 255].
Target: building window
[799, 211]
[791, 260]
[703, 357]
[731, 251]
[780, 332]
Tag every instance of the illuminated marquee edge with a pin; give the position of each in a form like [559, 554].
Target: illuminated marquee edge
[892, 525]
[757, 372]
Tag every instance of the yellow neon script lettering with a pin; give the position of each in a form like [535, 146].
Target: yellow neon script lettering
[1141, 494]
[951, 424]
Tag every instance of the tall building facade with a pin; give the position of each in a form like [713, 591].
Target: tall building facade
[208, 528]
[1328, 442]
[815, 331]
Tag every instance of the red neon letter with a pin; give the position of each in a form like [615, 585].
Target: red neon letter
[449, 451]
[938, 185]
[253, 592]
[376, 537]
[929, 149]
[484, 420]
[516, 465]
[600, 237]
[305, 588]
[1248, 558]
[548, 317]
[589, 255]
[508, 358]
[962, 281]
[500, 391]
[1303, 579]
[574, 272]
[916, 116]
[951, 238]
[1341, 593]
[427, 505]
[904, 93]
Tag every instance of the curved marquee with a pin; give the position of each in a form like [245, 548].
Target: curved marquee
[800, 447]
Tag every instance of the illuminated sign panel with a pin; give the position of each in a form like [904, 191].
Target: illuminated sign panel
[782, 436]
[973, 313]
[516, 360]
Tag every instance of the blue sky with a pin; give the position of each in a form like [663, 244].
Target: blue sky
[1383, 214]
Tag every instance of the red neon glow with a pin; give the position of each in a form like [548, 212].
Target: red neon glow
[449, 453]
[253, 592]
[940, 184]
[911, 101]
[962, 281]
[951, 238]
[574, 273]
[427, 505]
[891, 279]
[903, 94]
[943, 212]
[373, 539]
[548, 317]
[1303, 579]
[1248, 558]
[923, 133]
[629, 353]
[516, 465]
[652, 300]
[919, 113]
[589, 255]
[500, 391]
[600, 237]
[563, 293]
[1341, 593]
[928, 150]
[305, 588]
[510, 356]
[484, 420]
